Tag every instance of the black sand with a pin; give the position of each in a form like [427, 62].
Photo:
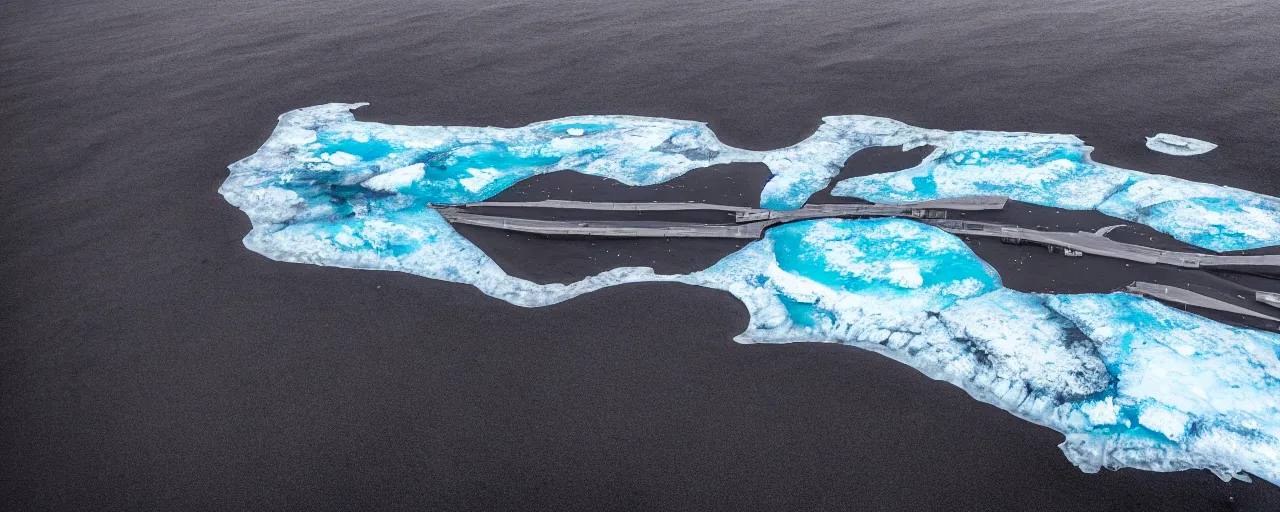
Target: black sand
[149, 361]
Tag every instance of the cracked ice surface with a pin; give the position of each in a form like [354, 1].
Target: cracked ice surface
[323, 151]
[325, 146]
[1055, 170]
[328, 190]
[1177, 145]
[325, 156]
[1129, 381]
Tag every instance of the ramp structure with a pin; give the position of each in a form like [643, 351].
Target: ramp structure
[750, 223]
[1083, 242]
[1190, 298]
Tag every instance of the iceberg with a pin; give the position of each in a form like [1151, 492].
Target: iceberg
[807, 167]
[1127, 380]
[323, 152]
[1056, 171]
[333, 162]
[1177, 145]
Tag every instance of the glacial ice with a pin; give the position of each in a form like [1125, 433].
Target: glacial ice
[1055, 170]
[324, 146]
[1177, 145]
[1127, 380]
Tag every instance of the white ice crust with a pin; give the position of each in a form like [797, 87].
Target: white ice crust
[1178, 145]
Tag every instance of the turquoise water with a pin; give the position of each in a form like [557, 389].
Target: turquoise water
[368, 150]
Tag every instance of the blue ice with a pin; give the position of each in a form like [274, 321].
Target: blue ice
[325, 147]
[1128, 381]
[1055, 170]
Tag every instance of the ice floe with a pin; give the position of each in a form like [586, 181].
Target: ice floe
[324, 146]
[1178, 145]
[1130, 382]
[1055, 170]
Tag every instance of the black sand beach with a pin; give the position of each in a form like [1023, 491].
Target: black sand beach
[149, 361]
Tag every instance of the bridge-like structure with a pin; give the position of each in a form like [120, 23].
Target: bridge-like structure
[750, 223]
[1084, 242]
[1190, 298]
[747, 223]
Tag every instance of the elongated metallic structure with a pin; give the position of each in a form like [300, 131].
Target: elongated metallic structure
[1083, 242]
[748, 214]
[611, 229]
[750, 223]
[1190, 298]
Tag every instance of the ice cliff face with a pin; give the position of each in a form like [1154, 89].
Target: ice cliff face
[1130, 382]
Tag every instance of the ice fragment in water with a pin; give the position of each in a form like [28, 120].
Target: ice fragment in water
[1130, 382]
[1177, 145]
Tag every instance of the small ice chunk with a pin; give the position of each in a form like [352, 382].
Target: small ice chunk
[478, 179]
[340, 158]
[1101, 412]
[1165, 420]
[576, 132]
[1176, 145]
[905, 274]
[397, 179]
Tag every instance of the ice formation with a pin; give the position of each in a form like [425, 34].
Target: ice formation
[1130, 382]
[1178, 145]
[1055, 170]
[365, 162]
